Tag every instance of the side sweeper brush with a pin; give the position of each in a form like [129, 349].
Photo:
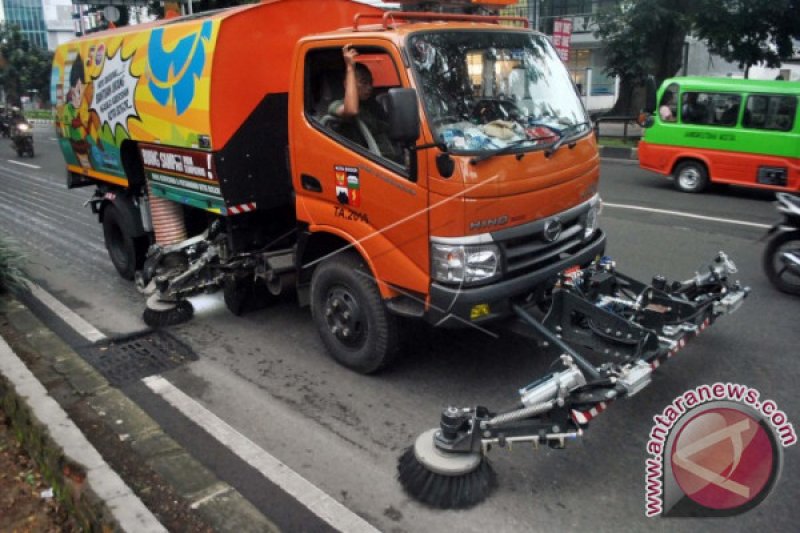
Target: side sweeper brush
[629, 327]
[444, 480]
[160, 313]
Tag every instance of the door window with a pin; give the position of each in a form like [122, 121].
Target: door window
[368, 131]
[668, 108]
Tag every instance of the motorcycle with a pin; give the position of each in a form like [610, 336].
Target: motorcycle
[782, 256]
[22, 138]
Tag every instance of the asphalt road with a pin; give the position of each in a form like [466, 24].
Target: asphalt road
[267, 374]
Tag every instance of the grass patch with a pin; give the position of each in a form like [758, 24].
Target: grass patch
[12, 261]
[38, 114]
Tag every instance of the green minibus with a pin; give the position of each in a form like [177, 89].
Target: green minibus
[740, 132]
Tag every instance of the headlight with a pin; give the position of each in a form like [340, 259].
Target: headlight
[464, 263]
[23, 127]
[592, 217]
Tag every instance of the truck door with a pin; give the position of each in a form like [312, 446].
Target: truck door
[350, 178]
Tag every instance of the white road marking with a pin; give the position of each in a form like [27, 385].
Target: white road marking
[687, 215]
[66, 314]
[318, 502]
[23, 164]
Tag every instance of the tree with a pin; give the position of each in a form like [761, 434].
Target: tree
[749, 32]
[24, 68]
[642, 38]
[646, 37]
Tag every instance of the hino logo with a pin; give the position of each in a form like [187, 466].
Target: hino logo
[480, 224]
[552, 230]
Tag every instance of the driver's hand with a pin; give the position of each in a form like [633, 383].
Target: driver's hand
[349, 53]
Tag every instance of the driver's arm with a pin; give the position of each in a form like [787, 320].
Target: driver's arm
[349, 107]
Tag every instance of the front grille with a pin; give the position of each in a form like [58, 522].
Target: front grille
[525, 249]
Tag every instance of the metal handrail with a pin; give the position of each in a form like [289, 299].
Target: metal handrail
[625, 119]
[449, 17]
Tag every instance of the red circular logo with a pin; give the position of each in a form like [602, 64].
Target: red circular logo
[723, 458]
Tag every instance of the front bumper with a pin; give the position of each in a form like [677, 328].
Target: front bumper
[455, 307]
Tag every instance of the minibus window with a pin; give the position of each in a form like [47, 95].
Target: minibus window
[714, 109]
[770, 112]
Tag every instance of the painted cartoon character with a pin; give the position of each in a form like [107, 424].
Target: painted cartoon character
[81, 124]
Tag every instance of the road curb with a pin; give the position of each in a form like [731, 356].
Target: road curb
[32, 355]
[618, 152]
[94, 494]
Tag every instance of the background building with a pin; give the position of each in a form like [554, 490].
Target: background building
[586, 60]
[44, 23]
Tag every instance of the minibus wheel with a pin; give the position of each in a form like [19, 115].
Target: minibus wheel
[691, 176]
[350, 316]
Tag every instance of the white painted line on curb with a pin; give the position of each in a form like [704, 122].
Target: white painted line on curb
[688, 215]
[128, 510]
[66, 314]
[318, 502]
[23, 164]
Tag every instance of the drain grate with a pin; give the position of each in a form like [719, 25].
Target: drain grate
[129, 359]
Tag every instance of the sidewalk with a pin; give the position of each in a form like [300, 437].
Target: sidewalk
[109, 463]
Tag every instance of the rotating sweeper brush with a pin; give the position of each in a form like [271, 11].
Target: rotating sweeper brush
[627, 329]
[160, 313]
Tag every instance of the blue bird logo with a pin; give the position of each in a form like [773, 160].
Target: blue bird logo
[173, 75]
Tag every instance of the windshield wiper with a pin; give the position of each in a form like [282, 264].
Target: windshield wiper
[500, 151]
[565, 135]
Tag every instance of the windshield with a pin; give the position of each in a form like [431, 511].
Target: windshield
[483, 91]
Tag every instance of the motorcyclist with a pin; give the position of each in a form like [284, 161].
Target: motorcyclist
[21, 133]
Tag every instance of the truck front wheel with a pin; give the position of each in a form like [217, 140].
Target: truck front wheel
[350, 316]
[127, 253]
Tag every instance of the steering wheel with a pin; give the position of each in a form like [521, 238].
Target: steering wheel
[369, 139]
[489, 109]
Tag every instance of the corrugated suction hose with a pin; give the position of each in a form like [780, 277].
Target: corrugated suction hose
[168, 222]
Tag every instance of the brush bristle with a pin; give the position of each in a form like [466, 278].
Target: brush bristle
[445, 492]
[179, 314]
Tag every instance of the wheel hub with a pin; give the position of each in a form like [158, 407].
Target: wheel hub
[344, 316]
[689, 178]
[441, 462]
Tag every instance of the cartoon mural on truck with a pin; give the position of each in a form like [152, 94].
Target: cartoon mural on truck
[151, 86]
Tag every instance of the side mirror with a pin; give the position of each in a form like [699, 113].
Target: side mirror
[650, 94]
[645, 120]
[403, 116]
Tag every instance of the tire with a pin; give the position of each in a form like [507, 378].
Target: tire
[351, 319]
[783, 279]
[127, 253]
[691, 176]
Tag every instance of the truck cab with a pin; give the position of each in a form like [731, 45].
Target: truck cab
[493, 196]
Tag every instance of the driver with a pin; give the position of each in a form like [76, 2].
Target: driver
[359, 102]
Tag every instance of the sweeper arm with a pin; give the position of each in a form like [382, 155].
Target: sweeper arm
[624, 330]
